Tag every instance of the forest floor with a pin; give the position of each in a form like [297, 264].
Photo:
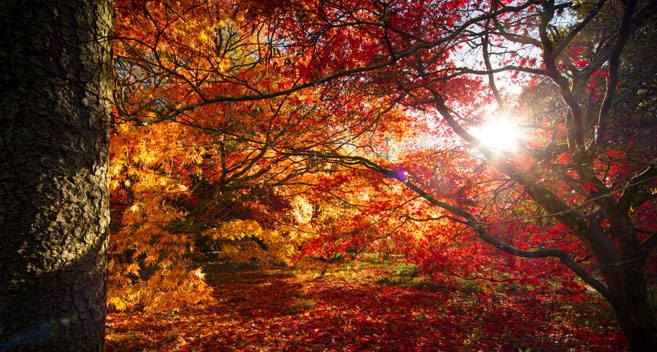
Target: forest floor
[364, 308]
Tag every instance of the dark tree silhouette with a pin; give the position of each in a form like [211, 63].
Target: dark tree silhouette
[54, 136]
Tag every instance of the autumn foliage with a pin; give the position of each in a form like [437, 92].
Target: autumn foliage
[365, 308]
[304, 133]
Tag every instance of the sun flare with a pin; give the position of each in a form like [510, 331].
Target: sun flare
[500, 134]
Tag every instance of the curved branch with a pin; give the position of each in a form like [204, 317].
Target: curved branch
[549, 59]
[579, 27]
[650, 244]
[408, 52]
[491, 77]
[472, 222]
[549, 252]
[631, 190]
[614, 62]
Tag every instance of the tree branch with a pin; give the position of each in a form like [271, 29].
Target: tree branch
[614, 62]
[471, 221]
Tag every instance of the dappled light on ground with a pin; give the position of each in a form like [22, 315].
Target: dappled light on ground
[359, 310]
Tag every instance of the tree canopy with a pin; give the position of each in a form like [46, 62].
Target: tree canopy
[289, 132]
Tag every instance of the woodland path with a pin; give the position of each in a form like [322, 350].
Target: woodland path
[364, 310]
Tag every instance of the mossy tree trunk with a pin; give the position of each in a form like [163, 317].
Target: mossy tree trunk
[55, 95]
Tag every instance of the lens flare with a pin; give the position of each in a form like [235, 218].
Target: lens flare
[499, 134]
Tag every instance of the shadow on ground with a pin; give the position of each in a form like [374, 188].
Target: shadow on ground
[274, 310]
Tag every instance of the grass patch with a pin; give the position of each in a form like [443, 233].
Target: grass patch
[418, 283]
[407, 270]
[303, 305]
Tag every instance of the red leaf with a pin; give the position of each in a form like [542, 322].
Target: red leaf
[589, 187]
[581, 63]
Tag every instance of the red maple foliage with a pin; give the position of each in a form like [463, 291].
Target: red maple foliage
[275, 131]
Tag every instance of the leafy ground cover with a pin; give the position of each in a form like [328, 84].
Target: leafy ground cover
[356, 307]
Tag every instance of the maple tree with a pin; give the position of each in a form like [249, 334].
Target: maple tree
[226, 185]
[276, 129]
[596, 201]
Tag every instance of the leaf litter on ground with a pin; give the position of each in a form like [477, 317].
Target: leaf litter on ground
[364, 309]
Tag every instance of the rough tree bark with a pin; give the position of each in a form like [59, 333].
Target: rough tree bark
[55, 64]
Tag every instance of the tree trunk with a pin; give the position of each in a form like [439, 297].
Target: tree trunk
[55, 95]
[638, 328]
[633, 311]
